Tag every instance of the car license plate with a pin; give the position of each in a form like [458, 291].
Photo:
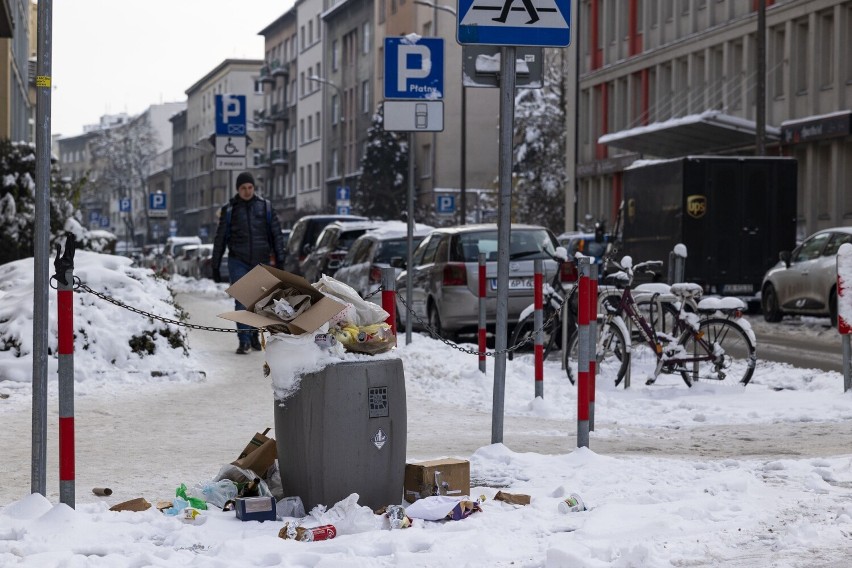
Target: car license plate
[738, 288]
[515, 283]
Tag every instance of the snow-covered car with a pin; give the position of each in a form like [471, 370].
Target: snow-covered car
[804, 281]
[371, 252]
[332, 246]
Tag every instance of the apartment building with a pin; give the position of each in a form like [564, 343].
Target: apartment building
[645, 62]
[309, 157]
[278, 115]
[17, 102]
[349, 95]
[207, 188]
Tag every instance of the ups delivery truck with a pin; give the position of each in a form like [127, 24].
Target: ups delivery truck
[733, 213]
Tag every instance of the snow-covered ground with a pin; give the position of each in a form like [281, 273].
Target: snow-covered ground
[673, 476]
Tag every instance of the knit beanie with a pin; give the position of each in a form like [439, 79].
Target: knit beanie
[244, 177]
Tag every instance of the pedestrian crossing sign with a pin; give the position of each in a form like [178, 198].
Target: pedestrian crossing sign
[540, 23]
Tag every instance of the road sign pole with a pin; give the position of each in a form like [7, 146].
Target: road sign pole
[409, 280]
[504, 215]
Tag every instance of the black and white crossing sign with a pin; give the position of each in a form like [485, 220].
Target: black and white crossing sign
[543, 23]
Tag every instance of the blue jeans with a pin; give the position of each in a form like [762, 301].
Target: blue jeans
[236, 270]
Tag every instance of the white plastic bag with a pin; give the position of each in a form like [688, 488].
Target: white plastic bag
[347, 516]
[365, 312]
[215, 492]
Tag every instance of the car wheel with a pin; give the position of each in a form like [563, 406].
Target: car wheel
[435, 324]
[832, 307]
[769, 303]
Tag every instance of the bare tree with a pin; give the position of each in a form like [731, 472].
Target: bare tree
[122, 157]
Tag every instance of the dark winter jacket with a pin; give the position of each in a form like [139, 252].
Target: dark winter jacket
[250, 238]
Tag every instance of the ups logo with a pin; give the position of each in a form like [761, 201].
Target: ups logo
[696, 206]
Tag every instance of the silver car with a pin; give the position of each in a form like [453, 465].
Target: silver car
[375, 250]
[804, 282]
[445, 275]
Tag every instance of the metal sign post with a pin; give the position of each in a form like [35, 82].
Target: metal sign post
[65, 322]
[41, 248]
[414, 73]
[504, 219]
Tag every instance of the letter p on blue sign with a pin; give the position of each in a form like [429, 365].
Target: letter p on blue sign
[414, 68]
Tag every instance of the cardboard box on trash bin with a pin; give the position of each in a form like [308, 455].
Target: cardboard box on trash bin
[436, 477]
[263, 280]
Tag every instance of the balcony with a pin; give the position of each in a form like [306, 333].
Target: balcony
[278, 112]
[279, 69]
[266, 75]
[278, 157]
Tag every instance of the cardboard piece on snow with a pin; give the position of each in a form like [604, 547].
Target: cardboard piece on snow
[263, 280]
[512, 498]
[137, 505]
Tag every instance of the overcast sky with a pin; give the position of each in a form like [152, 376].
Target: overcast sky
[122, 56]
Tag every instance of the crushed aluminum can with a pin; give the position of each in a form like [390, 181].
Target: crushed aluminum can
[292, 531]
[325, 340]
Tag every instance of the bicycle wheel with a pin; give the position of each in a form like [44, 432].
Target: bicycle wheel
[612, 354]
[735, 353]
[524, 332]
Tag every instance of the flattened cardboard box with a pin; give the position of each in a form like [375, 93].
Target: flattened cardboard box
[436, 477]
[263, 280]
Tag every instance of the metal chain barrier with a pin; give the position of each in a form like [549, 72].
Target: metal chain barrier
[457, 347]
[78, 285]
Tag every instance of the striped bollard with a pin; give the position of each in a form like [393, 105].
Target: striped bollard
[593, 340]
[389, 295]
[583, 355]
[65, 324]
[538, 320]
[482, 296]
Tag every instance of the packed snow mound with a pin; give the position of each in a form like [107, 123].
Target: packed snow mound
[111, 343]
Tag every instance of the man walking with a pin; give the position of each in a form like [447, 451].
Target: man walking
[249, 227]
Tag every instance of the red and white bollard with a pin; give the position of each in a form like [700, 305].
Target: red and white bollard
[65, 323]
[593, 337]
[482, 298]
[583, 357]
[538, 322]
[389, 296]
[844, 309]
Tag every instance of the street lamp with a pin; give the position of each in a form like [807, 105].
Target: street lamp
[463, 138]
[341, 159]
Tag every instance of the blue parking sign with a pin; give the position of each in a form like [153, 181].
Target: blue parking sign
[414, 69]
[230, 115]
[445, 204]
[124, 205]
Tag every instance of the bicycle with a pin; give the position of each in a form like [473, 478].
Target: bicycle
[554, 297]
[705, 344]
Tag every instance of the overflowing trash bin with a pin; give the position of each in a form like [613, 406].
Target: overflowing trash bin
[343, 432]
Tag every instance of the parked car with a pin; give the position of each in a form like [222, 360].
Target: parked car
[304, 237]
[445, 275]
[332, 246]
[206, 268]
[804, 282]
[374, 251]
[186, 262]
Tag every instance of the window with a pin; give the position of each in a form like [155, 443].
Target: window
[393, 7]
[365, 38]
[310, 178]
[335, 167]
[427, 159]
[811, 248]
[302, 83]
[335, 109]
[319, 28]
[303, 37]
[427, 29]
[258, 88]
[801, 56]
[311, 32]
[310, 128]
[317, 172]
[317, 124]
[825, 53]
[383, 11]
[302, 130]
[335, 55]
[365, 96]
[301, 178]
[776, 66]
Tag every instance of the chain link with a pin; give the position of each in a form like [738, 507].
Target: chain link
[494, 353]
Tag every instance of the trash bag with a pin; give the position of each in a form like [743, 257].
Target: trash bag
[363, 312]
[215, 492]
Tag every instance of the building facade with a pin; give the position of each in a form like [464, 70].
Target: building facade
[646, 67]
[278, 115]
[17, 103]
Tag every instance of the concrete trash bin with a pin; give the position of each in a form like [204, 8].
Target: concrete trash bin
[344, 432]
